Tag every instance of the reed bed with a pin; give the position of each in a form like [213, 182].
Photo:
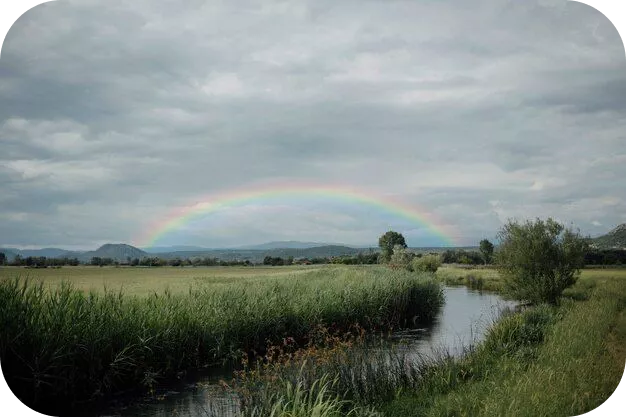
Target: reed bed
[64, 346]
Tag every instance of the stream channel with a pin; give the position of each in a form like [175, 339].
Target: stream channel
[463, 320]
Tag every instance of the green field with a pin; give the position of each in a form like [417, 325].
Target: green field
[144, 281]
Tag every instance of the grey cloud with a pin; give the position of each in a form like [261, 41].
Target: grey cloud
[123, 112]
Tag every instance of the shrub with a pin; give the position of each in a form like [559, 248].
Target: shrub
[401, 257]
[538, 260]
[426, 263]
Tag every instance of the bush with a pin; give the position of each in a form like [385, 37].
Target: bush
[538, 260]
[401, 257]
[426, 263]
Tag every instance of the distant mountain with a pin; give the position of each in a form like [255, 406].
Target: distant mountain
[615, 239]
[257, 255]
[119, 252]
[181, 248]
[286, 244]
[46, 252]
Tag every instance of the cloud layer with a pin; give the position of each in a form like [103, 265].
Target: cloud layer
[114, 115]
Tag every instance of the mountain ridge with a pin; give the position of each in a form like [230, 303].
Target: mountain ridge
[614, 239]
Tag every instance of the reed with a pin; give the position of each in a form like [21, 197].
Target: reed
[64, 346]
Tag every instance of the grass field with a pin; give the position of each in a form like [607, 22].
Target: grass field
[145, 281]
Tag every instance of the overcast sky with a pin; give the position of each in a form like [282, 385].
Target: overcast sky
[115, 114]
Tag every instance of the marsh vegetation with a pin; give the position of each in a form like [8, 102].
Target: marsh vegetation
[64, 346]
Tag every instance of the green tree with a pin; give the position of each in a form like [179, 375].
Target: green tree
[3, 258]
[486, 249]
[387, 242]
[539, 259]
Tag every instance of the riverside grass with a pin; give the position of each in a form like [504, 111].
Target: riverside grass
[546, 361]
[64, 346]
[542, 361]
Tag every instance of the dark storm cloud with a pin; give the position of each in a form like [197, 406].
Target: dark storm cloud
[113, 114]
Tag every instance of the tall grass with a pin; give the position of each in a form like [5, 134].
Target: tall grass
[62, 346]
[367, 373]
[318, 399]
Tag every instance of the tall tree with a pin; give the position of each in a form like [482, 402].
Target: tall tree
[486, 249]
[387, 242]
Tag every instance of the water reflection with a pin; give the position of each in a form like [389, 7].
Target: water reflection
[465, 317]
[462, 321]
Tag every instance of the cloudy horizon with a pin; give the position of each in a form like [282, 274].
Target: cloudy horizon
[114, 117]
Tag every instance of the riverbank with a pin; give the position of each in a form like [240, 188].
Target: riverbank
[547, 361]
[541, 361]
[61, 346]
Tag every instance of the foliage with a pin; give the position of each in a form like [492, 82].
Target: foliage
[401, 258]
[358, 259]
[426, 263]
[3, 258]
[539, 259]
[605, 257]
[387, 243]
[486, 249]
[461, 256]
[274, 261]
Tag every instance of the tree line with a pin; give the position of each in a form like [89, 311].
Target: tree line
[389, 243]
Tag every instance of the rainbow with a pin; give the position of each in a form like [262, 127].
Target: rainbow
[203, 206]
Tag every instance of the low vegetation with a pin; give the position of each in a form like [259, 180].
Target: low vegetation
[426, 263]
[544, 346]
[70, 346]
[531, 363]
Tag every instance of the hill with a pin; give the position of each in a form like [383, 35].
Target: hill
[47, 252]
[119, 252]
[11, 253]
[615, 239]
[168, 249]
[257, 255]
[287, 244]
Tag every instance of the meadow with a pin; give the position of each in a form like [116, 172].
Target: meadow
[146, 281]
[67, 344]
